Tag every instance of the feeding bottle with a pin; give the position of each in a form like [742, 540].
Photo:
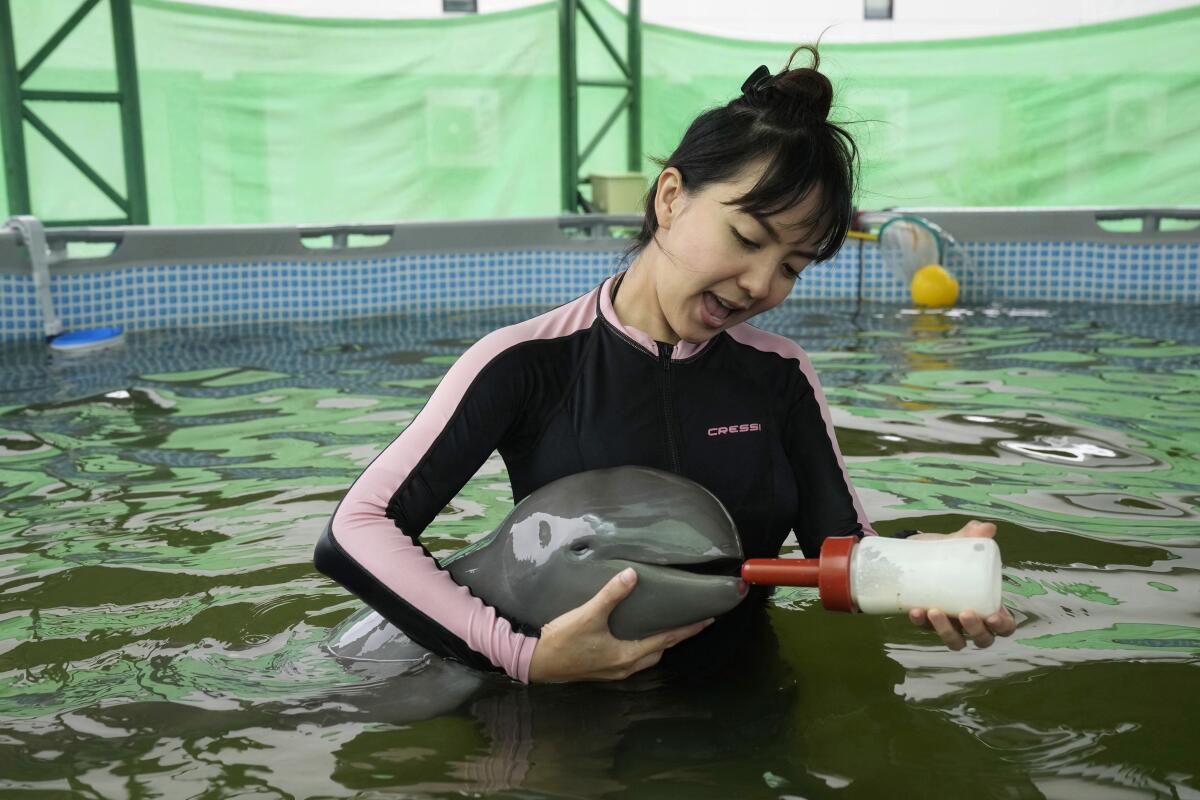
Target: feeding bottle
[890, 576]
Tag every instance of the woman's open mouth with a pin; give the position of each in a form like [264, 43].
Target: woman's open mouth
[714, 311]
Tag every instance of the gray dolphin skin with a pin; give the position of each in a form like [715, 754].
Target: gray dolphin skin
[563, 542]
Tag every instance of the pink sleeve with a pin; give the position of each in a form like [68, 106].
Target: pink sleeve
[374, 531]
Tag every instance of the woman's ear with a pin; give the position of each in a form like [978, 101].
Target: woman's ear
[668, 196]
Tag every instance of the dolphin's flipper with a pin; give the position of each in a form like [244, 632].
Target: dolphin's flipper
[367, 636]
[375, 650]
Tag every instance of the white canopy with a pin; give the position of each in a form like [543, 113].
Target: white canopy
[780, 20]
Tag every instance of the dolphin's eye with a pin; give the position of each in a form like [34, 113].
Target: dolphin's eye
[579, 548]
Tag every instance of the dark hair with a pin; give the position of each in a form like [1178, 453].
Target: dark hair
[782, 121]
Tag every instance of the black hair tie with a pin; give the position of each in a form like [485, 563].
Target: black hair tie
[757, 82]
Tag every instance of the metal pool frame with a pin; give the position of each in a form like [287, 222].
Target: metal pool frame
[154, 277]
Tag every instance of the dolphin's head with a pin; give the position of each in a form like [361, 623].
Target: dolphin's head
[567, 539]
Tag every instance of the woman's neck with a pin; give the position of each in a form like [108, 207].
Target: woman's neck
[637, 304]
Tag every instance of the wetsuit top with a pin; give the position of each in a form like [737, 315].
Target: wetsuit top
[571, 390]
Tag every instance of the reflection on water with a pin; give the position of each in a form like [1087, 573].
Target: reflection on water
[162, 630]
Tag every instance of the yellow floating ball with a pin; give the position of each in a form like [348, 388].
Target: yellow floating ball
[933, 286]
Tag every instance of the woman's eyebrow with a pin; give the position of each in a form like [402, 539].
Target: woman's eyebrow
[774, 234]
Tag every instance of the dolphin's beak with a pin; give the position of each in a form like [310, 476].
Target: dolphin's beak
[673, 596]
[718, 572]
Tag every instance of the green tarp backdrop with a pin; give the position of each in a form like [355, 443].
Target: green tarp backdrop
[257, 118]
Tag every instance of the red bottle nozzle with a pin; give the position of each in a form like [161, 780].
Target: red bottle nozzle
[830, 573]
[781, 571]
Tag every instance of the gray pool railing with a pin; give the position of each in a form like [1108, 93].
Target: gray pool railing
[156, 277]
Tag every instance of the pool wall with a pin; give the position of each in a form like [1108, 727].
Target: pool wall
[185, 277]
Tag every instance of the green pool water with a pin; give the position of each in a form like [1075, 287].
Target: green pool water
[161, 625]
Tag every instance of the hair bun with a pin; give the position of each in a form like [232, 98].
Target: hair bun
[803, 92]
[795, 95]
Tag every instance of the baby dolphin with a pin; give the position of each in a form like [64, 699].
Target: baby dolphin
[564, 541]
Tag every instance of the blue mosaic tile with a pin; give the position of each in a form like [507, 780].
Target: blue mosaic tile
[214, 293]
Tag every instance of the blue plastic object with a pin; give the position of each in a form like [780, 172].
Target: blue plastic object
[87, 339]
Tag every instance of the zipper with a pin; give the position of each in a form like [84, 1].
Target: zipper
[664, 358]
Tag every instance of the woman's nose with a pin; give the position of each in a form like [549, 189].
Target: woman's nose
[755, 280]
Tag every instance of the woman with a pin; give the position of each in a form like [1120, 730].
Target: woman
[653, 367]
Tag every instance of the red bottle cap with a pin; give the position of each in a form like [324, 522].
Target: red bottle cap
[834, 580]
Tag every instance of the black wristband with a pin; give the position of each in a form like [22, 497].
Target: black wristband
[904, 534]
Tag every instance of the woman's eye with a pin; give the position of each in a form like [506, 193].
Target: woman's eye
[752, 245]
[743, 241]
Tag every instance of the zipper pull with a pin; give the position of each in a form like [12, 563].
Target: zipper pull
[664, 354]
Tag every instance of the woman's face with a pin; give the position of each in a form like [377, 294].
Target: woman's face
[723, 266]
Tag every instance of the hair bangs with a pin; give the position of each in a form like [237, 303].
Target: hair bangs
[793, 172]
[780, 125]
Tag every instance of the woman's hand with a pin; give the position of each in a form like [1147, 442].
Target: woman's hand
[578, 646]
[968, 625]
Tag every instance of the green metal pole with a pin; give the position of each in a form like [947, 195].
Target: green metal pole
[39, 125]
[604, 126]
[633, 24]
[603, 37]
[59, 36]
[131, 113]
[16, 172]
[568, 104]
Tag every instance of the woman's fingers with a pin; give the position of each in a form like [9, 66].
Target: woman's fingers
[1002, 622]
[955, 632]
[943, 626]
[975, 528]
[578, 645]
[973, 627]
[645, 662]
[645, 653]
[612, 593]
[661, 641]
